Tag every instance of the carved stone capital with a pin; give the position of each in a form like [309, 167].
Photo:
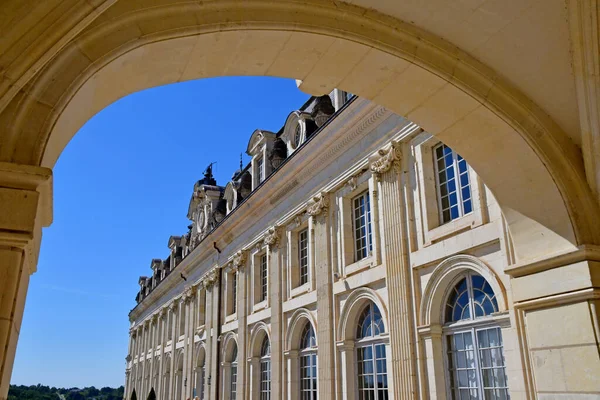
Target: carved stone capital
[318, 204]
[188, 295]
[173, 306]
[388, 158]
[239, 260]
[211, 278]
[272, 236]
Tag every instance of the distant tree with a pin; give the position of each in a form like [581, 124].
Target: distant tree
[151, 395]
[133, 395]
[106, 390]
[92, 391]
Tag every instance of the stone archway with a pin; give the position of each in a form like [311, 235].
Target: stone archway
[521, 154]
[527, 157]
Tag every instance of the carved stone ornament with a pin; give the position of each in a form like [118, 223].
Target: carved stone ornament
[272, 236]
[173, 306]
[211, 278]
[239, 260]
[388, 158]
[188, 294]
[317, 204]
[128, 358]
[298, 220]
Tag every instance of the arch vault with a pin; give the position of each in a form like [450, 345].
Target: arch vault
[508, 89]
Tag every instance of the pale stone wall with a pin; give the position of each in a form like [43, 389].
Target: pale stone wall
[413, 264]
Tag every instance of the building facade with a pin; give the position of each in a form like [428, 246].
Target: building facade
[355, 257]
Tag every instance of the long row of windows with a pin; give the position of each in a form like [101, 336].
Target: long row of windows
[454, 200]
[475, 363]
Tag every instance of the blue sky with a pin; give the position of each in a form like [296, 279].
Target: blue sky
[121, 188]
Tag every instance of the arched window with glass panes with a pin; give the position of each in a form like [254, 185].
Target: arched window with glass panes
[265, 369]
[233, 369]
[371, 355]
[308, 363]
[474, 349]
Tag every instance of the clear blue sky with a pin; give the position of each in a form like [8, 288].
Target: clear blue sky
[121, 188]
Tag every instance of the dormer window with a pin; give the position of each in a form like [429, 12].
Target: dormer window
[298, 135]
[260, 169]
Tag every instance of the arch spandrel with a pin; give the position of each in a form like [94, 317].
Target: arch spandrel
[412, 72]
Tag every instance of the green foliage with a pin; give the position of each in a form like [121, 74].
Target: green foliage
[41, 392]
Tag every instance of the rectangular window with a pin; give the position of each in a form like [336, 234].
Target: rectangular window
[265, 379]
[233, 387]
[260, 170]
[234, 293]
[263, 277]
[454, 188]
[476, 365]
[363, 243]
[308, 377]
[303, 256]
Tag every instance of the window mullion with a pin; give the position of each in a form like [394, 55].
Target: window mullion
[478, 370]
[457, 183]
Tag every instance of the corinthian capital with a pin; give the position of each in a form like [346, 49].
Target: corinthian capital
[388, 158]
[318, 204]
[272, 236]
[239, 260]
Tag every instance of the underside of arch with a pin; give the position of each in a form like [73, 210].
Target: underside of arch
[531, 166]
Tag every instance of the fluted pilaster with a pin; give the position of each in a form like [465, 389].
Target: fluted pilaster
[273, 241]
[398, 278]
[318, 209]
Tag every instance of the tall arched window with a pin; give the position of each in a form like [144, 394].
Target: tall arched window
[265, 370]
[370, 355]
[234, 364]
[308, 363]
[476, 366]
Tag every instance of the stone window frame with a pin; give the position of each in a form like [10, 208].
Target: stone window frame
[230, 347]
[345, 226]
[257, 334]
[472, 325]
[347, 343]
[292, 351]
[429, 225]
[293, 230]
[431, 320]
[258, 303]
[230, 274]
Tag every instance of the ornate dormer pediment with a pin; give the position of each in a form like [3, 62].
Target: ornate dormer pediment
[258, 138]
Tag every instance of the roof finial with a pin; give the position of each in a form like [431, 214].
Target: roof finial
[241, 163]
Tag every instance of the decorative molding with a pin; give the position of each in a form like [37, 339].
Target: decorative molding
[388, 158]
[272, 236]
[284, 191]
[318, 204]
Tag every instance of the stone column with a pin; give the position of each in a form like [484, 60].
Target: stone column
[208, 350]
[189, 340]
[185, 303]
[318, 210]
[172, 308]
[214, 290]
[144, 353]
[293, 375]
[272, 240]
[162, 339]
[254, 377]
[348, 370]
[387, 170]
[153, 326]
[26, 207]
[239, 263]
